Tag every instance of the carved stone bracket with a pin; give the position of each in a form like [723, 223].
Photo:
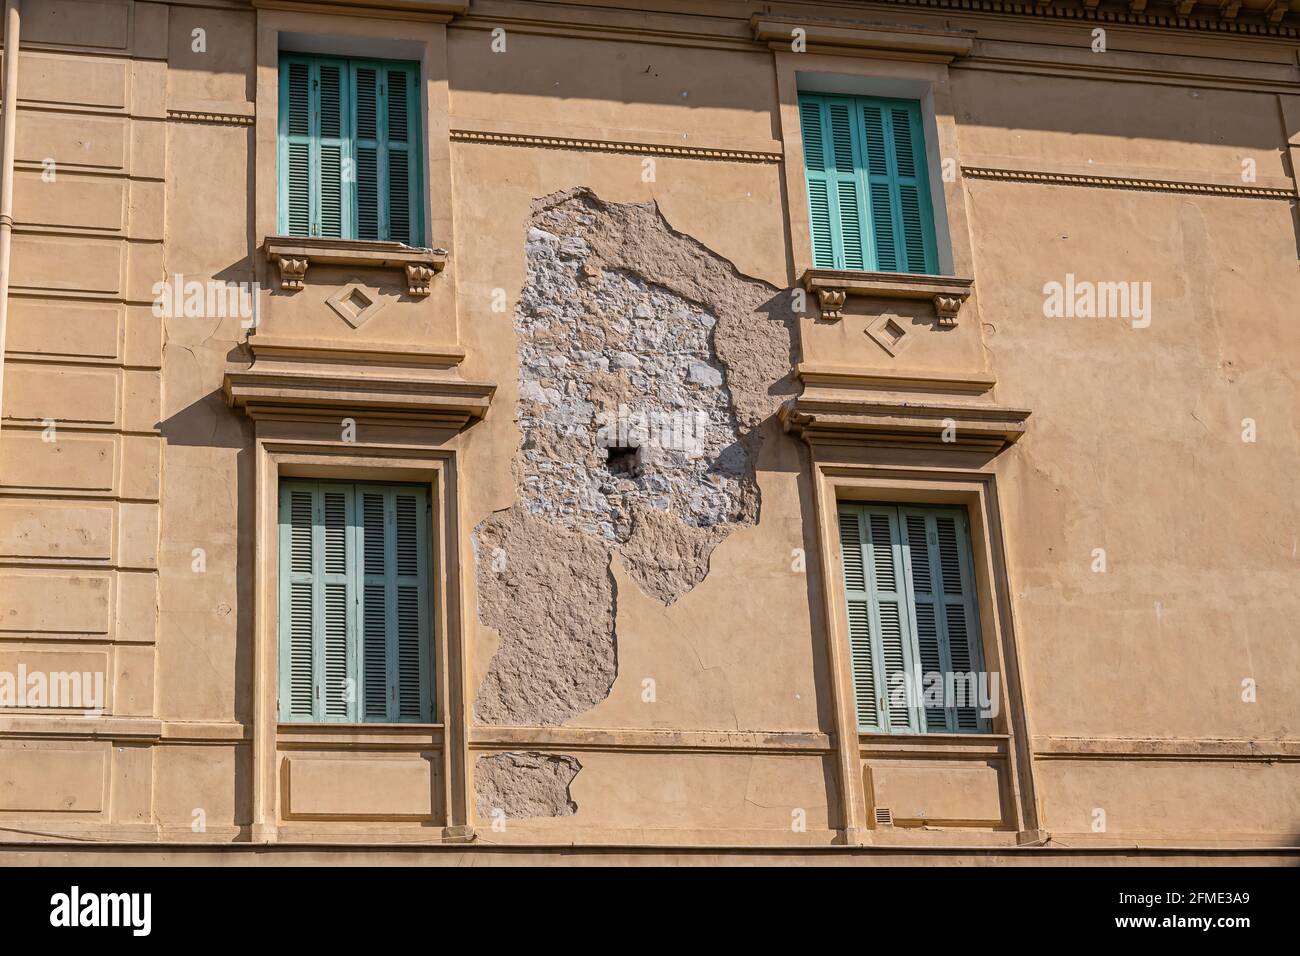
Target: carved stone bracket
[833, 286]
[418, 277]
[293, 255]
[293, 271]
[832, 303]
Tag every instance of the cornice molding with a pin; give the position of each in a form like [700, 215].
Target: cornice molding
[912, 380]
[1166, 748]
[852, 420]
[852, 37]
[337, 392]
[414, 356]
[212, 119]
[612, 146]
[1228, 17]
[437, 11]
[1117, 182]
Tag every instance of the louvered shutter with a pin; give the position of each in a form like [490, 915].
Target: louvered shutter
[891, 622]
[317, 620]
[349, 149]
[403, 153]
[296, 147]
[298, 604]
[354, 598]
[939, 557]
[878, 600]
[333, 148]
[902, 224]
[853, 559]
[314, 147]
[836, 210]
[387, 151]
[395, 606]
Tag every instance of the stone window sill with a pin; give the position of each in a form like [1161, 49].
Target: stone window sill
[293, 255]
[833, 286]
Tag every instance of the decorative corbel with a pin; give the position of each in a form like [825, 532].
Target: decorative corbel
[418, 278]
[946, 308]
[1137, 6]
[1276, 10]
[1228, 9]
[292, 272]
[1185, 7]
[832, 303]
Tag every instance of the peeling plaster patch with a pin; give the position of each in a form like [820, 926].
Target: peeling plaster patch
[525, 784]
[647, 366]
[617, 363]
[549, 593]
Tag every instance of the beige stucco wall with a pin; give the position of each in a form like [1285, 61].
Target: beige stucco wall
[1122, 691]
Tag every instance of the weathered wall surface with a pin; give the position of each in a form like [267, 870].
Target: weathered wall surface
[646, 371]
[631, 633]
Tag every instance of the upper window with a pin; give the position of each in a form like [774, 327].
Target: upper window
[868, 196]
[354, 603]
[349, 149]
[913, 622]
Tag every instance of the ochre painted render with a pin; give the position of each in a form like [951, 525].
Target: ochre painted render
[139, 456]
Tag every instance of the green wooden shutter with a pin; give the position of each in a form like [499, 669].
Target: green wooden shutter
[909, 584]
[297, 604]
[387, 149]
[317, 603]
[350, 152]
[395, 604]
[902, 223]
[875, 586]
[868, 194]
[296, 187]
[944, 584]
[403, 154]
[832, 153]
[355, 632]
[315, 146]
[333, 148]
[852, 555]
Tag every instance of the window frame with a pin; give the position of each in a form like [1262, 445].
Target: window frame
[348, 137]
[355, 580]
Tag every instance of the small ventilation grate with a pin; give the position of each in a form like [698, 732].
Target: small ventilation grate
[884, 817]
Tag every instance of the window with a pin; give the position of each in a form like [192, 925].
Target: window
[354, 603]
[868, 195]
[349, 149]
[913, 623]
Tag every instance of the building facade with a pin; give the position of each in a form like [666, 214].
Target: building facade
[823, 431]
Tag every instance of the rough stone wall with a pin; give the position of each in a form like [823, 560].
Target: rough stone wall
[525, 785]
[647, 367]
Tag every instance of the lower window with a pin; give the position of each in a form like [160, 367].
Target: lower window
[355, 634]
[918, 663]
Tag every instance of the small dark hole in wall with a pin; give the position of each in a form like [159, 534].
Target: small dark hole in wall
[623, 461]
